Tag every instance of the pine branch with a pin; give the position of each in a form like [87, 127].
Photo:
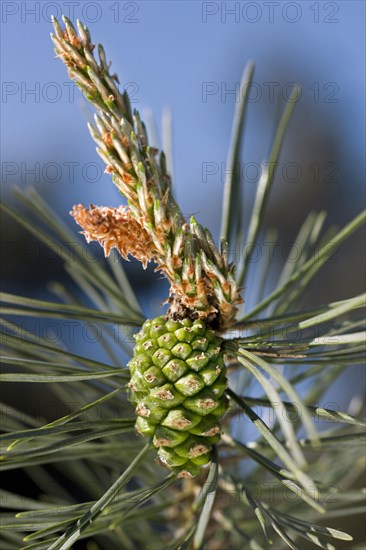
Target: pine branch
[202, 283]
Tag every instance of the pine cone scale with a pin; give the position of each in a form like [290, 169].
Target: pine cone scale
[178, 379]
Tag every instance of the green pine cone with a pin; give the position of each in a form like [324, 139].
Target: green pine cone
[178, 379]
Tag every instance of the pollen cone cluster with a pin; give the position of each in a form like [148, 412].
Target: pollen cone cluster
[202, 280]
[178, 380]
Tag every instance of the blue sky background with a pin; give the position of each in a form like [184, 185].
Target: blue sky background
[168, 53]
